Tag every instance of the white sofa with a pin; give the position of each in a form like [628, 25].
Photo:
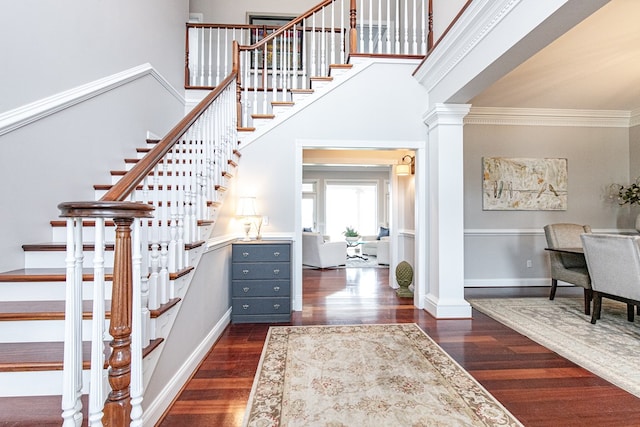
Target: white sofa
[318, 253]
[377, 248]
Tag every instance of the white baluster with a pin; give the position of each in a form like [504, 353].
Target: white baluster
[181, 206]
[379, 37]
[303, 77]
[312, 68]
[406, 27]
[154, 278]
[173, 213]
[425, 28]
[145, 268]
[97, 384]
[343, 24]
[164, 235]
[202, 49]
[255, 80]
[72, 369]
[362, 47]
[323, 48]
[370, 49]
[136, 385]
[397, 29]
[415, 28]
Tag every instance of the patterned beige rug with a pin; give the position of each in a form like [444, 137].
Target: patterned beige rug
[365, 375]
[609, 348]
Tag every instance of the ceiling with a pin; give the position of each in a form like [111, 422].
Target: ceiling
[594, 66]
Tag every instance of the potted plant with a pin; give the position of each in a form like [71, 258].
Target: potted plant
[628, 195]
[350, 234]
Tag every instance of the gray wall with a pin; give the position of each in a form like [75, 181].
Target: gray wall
[499, 243]
[51, 47]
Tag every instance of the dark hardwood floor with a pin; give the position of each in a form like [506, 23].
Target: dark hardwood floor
[539, 387]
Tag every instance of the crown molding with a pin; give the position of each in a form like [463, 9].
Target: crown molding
[29, 113]
[552, 117]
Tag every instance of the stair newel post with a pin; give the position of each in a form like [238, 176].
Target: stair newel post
[353, 31]
[137, 328]
[117, 407]
[97, 385]
[72, 369]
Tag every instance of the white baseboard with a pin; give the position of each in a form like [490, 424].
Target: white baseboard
[511, 283]
[154, 410]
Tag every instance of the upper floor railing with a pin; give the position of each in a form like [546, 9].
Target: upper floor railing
[273, 61]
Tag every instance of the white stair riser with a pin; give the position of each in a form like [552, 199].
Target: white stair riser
[41, 331]
[56, 259]
[43, 291]
[281, 109]
[319, 84]
[59, 234]
[36, 383]
[299, 97]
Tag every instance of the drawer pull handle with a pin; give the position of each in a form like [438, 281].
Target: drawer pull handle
[276, 288]
[245, 306]
[245, 289]
[276, 253]
[276, 271]
[276, 306]
[245, 254]
[245, 271]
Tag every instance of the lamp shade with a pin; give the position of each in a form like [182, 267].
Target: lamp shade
[246, 207]
[403, 169]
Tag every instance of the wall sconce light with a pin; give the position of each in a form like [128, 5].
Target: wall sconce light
[407, 166]
[247, 211]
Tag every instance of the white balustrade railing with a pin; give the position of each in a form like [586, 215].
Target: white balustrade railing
[178, 183]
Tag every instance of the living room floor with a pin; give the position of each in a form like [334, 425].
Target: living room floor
[538, 386]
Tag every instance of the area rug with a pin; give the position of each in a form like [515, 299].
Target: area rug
[365, 375]
[609, 348]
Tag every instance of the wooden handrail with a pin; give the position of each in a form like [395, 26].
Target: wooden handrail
[289, 25]
[130, 180]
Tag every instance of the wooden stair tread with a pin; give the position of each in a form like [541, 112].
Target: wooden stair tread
[60, 274]
[263, 116]
[46, 356]
[88, 246]
[44, 411]
[301, 90]
[322, 78]
[283, 103]
[47, 275]
[43, 310]
[54, 310]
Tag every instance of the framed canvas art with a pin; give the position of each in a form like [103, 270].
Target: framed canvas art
[524, 184]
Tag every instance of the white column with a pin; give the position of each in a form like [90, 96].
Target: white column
[445, 210]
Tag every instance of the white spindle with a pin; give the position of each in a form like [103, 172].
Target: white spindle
[96, 389]
[397, 28]
[425, 28]
[312, 68]
[294, 72]
[173, 213]
[72, 371]
[323, 47]
[379, 37]
[387, 35]
[343, 56]
[146, 268]
[202, 50]
[414, 49]
[406, 27]
[305, 62]
[361, 48]
[370, 50]
[136, 385]
[154, 278]
[210, 57]
[181, 204]
[333, 36]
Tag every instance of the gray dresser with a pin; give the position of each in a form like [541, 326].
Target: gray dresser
[261, 282]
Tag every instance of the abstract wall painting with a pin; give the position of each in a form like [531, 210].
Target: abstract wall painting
[524, 184]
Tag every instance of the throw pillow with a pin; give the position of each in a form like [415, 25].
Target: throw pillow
[384, 232]
[306, 230]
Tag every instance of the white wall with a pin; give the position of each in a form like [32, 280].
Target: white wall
[52, 47]
[226, 12]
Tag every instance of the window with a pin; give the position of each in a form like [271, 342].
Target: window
[309, 206]
[353, 204]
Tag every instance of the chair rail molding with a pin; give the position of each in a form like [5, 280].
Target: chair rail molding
[32, 112]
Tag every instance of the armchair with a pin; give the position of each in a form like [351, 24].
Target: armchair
[570, 268]
[614, 266]
[318, 253]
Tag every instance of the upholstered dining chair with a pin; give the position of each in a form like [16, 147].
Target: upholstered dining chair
[614, 267]
[570, 268]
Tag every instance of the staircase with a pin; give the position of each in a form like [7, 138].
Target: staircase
[32, 310]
